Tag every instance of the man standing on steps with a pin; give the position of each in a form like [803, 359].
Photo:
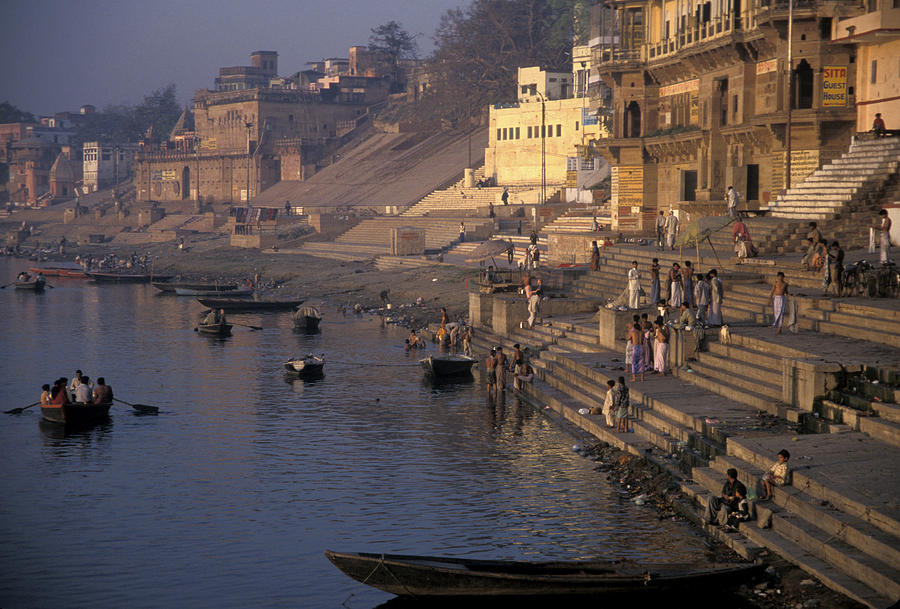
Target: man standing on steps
[462, 232]
[884, 236]
[660, 230]
[732, 197]
[778, 300]
[671, 229]
[505, 196]
[717, 293]
[654, 282]
[634, 286]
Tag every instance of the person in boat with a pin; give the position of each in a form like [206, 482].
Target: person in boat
[83, 393]
[103, 393]
[214, 317]
[78, 380]
[58, 395]
[23, 276]
[45, 394]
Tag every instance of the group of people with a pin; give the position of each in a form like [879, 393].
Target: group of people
[646, 346]
[498, 366]
[700, 293]
[213, 317]
[80, 391]
[733, 505]
[666, 230]
[616, 405]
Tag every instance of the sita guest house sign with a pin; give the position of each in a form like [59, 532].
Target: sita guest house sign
[834, 86]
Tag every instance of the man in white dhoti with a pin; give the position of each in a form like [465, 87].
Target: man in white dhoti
[717, 293]
[676, 287]
[634, 286]
[778, 299]
[884, 236]
[671, 229]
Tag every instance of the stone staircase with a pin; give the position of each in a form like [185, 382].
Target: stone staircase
[824, 523]
[855, 180]
[461, 200]
[439, 233]
[405, 263]
[343, 252]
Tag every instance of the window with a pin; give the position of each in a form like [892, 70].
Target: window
[576, 125]
[734, 105]
[874, 76]
[504, 133]
[517, 133]
[559, 131]
[871, 6]
[529, 131]
[499, 134]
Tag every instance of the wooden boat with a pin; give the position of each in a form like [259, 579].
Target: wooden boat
[310, 365]
[447, 577]
[35, 284]
[242, 305]
[235, 293]
[307, 319]
[102, 277]
[68, 270]
[441, 366]
[76, 414]
[220, 329]
[172, 286]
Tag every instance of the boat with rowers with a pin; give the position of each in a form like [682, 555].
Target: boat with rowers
[30, 282]
[450, 365]
[311, 365]
[243, 305]
[307, 319]
[76, 413]
[173, 286]
[104, 277]
[219, 329]
[432, 576]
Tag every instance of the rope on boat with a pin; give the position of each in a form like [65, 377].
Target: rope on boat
[391, 573]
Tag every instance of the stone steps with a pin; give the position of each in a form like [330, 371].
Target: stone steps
[740, 374]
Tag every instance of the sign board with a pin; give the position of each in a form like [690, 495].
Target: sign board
[764, 67]
[688, 86]
[208, 144]
[627, 190]
[834, 86]
[164, 175]
[803, 163]
[588, 117]
[571, 179]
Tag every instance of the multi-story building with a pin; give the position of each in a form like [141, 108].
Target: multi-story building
[875, 37]
[234, 142]
[701, 99]
[106, 164]
[536, 140]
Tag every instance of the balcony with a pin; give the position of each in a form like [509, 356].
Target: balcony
[868, 27]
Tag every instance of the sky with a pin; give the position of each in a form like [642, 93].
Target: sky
[58, 55]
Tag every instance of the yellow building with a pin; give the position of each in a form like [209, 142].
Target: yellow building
[534, 141]
[701, 100]
[876, 38]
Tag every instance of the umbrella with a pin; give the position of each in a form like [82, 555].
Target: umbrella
[489, 249]
[700, 230]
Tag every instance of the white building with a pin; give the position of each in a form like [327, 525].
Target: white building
[106, 164]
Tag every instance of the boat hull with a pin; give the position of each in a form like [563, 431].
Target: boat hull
[100, 277]
[35, 285]
[446, 577]
[240, 305]
[172, 286]
[306, 323]
[76, 414]
[214, 329]
[69, 272]
[309, 366]
[236, 293]
[446, 366]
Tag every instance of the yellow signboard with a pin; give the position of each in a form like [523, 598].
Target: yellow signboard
[208, 144]
[764, 67]
[834, 86]
[688, 86]
[571, 179]
[627, 189]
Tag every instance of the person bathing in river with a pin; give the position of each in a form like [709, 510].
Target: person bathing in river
[103, 393]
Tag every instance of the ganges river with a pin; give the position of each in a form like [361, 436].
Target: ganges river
[228, 497]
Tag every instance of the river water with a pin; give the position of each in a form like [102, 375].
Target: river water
[228, 497]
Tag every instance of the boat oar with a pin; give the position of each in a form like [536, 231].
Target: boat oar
[7, 285]
[245, 326]
[18, 410]
[139, 407]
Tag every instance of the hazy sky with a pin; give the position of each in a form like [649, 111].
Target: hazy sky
[60, 54]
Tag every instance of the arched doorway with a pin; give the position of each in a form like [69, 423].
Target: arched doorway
[803, 85]
[632, 120]
[185, 183]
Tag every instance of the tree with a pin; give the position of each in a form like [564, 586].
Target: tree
[123, 123]
[392, 45]
[10, 114]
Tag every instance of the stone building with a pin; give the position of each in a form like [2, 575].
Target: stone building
[235, 142]
[536, 139]
[701, 100]
[874, 36]
[106, 164]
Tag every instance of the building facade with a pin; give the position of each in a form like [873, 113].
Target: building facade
[106, 164]
[705, 97]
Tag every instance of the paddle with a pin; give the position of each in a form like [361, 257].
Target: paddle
[138, 407]
[245, 326]
[18, 410]
[2, 287]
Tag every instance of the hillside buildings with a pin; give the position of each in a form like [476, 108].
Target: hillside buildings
[257, 128]
[702, 99]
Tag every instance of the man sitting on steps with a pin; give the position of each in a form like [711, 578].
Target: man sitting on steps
[718, 508]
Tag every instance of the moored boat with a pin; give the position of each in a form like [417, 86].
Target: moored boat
[311, 365]
[242, 305]
[172, 286]
[442, 366]
[235, 293]
[307, 319]
[76, 414]
[219, 329]
[433, 576]
[69, 270]
[103, 277]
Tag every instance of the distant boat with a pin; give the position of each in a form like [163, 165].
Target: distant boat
[219, 329]
[242, 305]
[236, 293]
[35, 284]
[69, 270]
[431, 576]
[310, 365]
[76, 414]
[171, 286]
[101, 277]
[443, 366]
[307, 319]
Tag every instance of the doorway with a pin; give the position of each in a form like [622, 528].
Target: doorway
[185, 183]
[752, 183]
